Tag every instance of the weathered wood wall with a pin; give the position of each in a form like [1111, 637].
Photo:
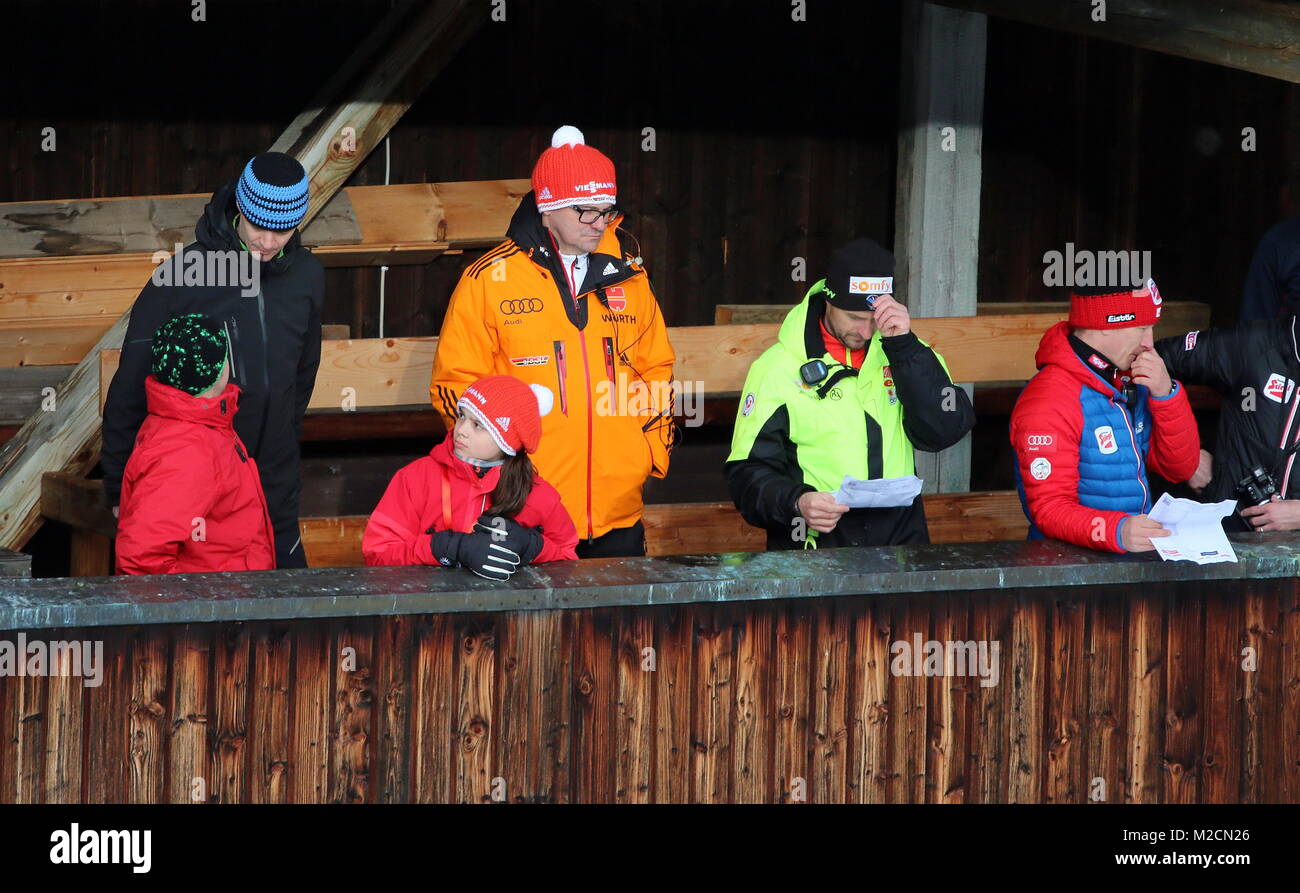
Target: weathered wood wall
[1144, 690]
[761, 154]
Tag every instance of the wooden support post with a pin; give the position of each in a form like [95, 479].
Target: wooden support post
[940, 136]
[1258, 36]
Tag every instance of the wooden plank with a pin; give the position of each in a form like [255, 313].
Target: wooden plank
[992, 706]
[673, 680]
[24, 389]
[106, 720]
[77, 502]
[310, 696]
[1222, 736]
[474, 673]
[832, 689]
[432, 730]
[351, 720]
[908, 702]
[948, 712]
[1107, 769]
[187, 767]
[229, 737]
[49, 342]
[1261, 693]
[91, 555]
[393, 694]
[66, 702]
[1026, 664]
[35, 748]
[592, 723]
[752, 752]
[269, 711]
[1181, 752]
[793, 689]
[1067, 702]
[550, 706]
[150, 655]
[634, 718]
[937, 204]
[1146, 635]
[512, 744]
[1289, 739]
[383, 89]
[714, 672]
[1255, 35]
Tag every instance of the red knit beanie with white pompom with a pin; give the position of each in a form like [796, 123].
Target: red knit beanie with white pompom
[572, 173]
[510, 410]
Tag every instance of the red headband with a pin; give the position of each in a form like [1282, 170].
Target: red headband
[1115, 310]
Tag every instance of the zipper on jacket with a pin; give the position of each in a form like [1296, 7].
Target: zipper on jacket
[232, 337]
[1132, 439]
[586, 370]
[266, 376]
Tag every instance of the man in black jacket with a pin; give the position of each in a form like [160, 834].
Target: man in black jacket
[248, 269]
[1255, 366]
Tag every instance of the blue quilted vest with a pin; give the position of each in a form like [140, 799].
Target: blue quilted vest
[1112, 455]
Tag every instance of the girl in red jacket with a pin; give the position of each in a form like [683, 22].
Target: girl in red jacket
[192, 499]
[475, 500]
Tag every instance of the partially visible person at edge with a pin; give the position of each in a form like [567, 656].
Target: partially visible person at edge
[274, 335]
[1101, 410]
[1255, 366]
[1272, 290]
[879, 393]
[564, 302]
[192, 499]
[475, 501]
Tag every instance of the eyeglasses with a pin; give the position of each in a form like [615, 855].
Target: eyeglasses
[591, 215]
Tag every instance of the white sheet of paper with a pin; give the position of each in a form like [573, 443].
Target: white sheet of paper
[878, 494]
[1195, 532]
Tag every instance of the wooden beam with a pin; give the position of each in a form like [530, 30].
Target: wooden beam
[1177, 316]
[388, 372]
[937, 209]
[68, 439]
[423, 37]
[23, 390]
[1251, 35]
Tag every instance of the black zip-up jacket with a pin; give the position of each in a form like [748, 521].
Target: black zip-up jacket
[1256, 367]
[277, 382]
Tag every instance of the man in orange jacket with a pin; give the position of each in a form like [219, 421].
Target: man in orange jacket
[563, 303]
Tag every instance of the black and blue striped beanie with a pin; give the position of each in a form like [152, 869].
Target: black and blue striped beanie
[272, 191]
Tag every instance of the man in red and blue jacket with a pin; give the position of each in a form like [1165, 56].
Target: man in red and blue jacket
[1101, 409]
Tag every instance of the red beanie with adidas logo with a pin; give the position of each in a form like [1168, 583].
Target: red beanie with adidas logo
[510, 410]
[572, 173]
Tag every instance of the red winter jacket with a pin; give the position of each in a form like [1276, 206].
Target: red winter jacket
[398, 532]
[1082, 456]
[192, 499]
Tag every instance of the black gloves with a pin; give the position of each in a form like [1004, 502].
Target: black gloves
[494, 550]
[526, 542]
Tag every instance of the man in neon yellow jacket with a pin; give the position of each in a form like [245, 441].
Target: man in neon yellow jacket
[848, 389]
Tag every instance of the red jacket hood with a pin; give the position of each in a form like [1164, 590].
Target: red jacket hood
[1055, 350]
[459, 469]
[173, 403]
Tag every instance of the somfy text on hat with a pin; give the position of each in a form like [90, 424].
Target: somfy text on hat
[510, 410]
[189, 352]
[572, 173]
[272, 191]
[860, 272]
[1115, 308]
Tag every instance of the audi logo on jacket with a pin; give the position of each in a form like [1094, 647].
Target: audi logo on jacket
[514, 313]
[1082, 456]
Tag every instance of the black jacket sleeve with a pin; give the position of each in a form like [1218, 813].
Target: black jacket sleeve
[1212, 357]
[766, 485]
[309, 362]
[125, 406]
[936, 413]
